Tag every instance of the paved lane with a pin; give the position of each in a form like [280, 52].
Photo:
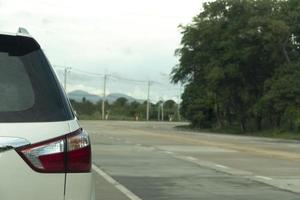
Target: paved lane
[154, 161]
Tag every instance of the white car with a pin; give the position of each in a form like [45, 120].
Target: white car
[44, 153]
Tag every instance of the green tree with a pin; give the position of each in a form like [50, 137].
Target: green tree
[229, 53]
[281, 101]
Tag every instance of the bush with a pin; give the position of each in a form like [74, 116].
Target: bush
[297, 125]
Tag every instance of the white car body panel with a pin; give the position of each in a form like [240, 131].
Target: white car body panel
[29, 125]
[19, 181]
[34, 132]
[79, 186]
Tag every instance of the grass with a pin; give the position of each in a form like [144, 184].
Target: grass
[270, 133]
[278, 134]
[98, 116]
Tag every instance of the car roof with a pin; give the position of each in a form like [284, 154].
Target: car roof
[21, 32]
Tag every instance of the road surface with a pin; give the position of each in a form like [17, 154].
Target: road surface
[153, 160]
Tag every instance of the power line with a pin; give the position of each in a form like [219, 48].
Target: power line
[116, 80]
[79, 70]
[89, 73]
[128, 79]
[111, 75]
[165, 88]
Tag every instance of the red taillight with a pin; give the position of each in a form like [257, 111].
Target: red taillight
[79, 153]
[67, 154]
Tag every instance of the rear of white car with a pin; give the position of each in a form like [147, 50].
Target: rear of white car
[44, 153]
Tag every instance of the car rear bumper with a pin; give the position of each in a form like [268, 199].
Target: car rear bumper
[80, 186]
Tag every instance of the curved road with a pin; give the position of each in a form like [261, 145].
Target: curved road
[153, 160]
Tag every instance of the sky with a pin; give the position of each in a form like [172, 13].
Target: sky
[135, 39]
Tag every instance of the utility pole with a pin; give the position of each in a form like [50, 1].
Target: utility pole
[66, 71]
[104, 97]
[158, 111]
[148, 100]
[161, 107]
[179, 97]
[162, 110]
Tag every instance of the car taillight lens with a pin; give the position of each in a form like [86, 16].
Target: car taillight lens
[70, 153]
[79, 153]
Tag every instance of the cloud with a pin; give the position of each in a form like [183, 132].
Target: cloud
[91, 90]
[134, 38]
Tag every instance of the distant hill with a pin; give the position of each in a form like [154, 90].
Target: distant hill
[78, 95]
[114, 96]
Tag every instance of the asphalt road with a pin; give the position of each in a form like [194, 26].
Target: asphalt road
[152, 160]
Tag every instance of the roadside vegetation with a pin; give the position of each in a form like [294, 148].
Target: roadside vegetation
[122, 109]
[267, 133]
[239, 62]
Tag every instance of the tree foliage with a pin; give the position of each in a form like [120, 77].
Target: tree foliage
[122, 109]
[239, 61]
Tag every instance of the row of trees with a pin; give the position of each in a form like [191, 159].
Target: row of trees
[240, 63]
[122, 109]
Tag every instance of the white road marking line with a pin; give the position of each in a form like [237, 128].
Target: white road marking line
[264, 177]
[116, 184]
[225, 169]
[221, 166]
[169, 152]
[191, 158]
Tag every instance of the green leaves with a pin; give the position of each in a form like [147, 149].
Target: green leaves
[231, 56]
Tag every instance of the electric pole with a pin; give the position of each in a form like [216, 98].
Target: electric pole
[148, 100]
[158, 111]
[179, 97]
[66, 71]
[162, 110]
[104, 97]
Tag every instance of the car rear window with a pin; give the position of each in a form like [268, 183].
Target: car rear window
[29, 91]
